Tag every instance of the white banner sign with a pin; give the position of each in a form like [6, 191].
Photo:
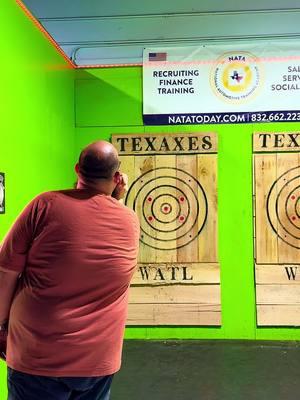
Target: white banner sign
[214, 84]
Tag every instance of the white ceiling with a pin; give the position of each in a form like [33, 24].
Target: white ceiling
[93, 32]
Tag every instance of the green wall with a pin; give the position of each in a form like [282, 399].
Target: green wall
[110, 101]
[37, 113]
[37, 118]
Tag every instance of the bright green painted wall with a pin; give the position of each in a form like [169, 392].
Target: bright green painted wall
[110, 101]
[37, 112]
[37, 117]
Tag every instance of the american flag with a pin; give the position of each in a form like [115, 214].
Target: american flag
[157, 56]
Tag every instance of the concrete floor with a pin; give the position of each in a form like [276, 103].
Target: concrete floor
[208, 370]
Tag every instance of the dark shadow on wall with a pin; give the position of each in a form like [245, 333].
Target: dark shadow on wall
[108, 97]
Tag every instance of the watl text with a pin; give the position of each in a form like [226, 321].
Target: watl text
[172, 273]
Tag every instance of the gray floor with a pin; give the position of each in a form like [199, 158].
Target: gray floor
[208, 370]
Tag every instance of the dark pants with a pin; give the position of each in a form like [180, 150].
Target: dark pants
[23, 386]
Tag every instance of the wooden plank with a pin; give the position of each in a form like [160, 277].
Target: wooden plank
[174, 314]
[277, 274]
[254, 205]
[170, 274]
[127, 167]
[276, 142]
[165, 194]
[208, 237]
[187, 197]
[144, 170]
[278, 294]
[278, 315]
[162, 143]
[201, 294]
[266, 239]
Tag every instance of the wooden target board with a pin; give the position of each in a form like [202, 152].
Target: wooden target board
[277, 227]
[173, 190]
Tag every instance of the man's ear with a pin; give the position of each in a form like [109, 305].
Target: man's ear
[77, 168]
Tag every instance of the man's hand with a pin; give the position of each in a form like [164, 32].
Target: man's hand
[121, 188]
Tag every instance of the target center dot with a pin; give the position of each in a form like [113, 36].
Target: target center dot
[166, 208]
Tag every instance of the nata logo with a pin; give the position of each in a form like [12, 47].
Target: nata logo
[236, 77]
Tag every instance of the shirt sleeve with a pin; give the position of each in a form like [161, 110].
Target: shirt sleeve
[16, 244]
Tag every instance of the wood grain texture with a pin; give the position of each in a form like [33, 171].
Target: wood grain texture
[181, 294]
[208, 237]
[144, 165]
[188, 253]
[174, 314]
[165, 188]
[278, 294]
[277, 274]
[278, 315]
[266, 244]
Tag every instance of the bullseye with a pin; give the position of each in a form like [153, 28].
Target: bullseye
[172, 206]
[166, 208]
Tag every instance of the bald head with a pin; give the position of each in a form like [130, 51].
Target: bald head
[99, 160]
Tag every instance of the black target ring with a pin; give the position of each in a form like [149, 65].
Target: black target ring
[279, 209]
[171, 208]
[155, 228]
[297, 207]
[190, 194]
[288, 199]
[174, 230]
[285, 210]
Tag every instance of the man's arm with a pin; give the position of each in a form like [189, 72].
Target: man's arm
[8, 283]
[13, 256]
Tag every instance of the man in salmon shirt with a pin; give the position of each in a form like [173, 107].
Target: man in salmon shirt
[65, 270]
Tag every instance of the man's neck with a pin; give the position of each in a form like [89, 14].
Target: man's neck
[101, 188]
